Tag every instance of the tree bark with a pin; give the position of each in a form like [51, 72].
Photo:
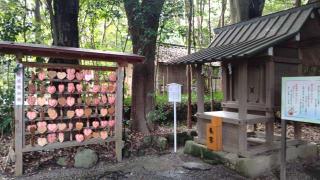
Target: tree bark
[37, 17]
[223, 10]
[143, 21]
[189, 78]
[66, 22]
[64, 25]
[242, 10]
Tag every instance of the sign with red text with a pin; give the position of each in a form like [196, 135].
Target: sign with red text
[300, 99]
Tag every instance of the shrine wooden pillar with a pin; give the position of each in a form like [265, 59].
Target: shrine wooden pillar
[243, 106]
[201, 125]
[269, 100]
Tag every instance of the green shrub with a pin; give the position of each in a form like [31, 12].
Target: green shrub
[6, 110]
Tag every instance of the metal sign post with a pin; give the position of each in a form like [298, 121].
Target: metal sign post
[174, 91]
[300, 101]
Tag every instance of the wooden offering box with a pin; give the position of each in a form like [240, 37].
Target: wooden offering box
[67, 105]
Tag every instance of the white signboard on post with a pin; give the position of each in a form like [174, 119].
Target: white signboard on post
[174, 92]
[300, 99]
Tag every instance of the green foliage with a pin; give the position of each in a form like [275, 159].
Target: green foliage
[6, 94]
[159, 115]
[163, 99]
[11, 20]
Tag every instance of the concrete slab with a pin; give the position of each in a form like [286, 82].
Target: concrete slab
[256, 165]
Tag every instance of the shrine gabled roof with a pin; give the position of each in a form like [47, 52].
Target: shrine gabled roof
[251, 37]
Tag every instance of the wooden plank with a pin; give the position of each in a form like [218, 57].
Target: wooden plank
[65, 66]
[251, 106]
[270, 78]
[243, 86]
[59, 145]
[119, 113]
[233, 117]
[200, 89]
[19, 125]
[286, 60]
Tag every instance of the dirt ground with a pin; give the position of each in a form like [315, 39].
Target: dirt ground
[168, 165]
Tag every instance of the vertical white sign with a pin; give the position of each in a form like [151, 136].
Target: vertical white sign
[19, 86]
[174, 91]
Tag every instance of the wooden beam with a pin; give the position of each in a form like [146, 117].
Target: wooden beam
[66, 144]
[65, 66]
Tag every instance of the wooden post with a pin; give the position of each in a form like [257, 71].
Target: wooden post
[200, 89]
[119, 113]
[224, 75]
[201, 125]
[189, 109]
[297, 125]
[283, 157]
[243, 86]
[19, 124]
[270, 101]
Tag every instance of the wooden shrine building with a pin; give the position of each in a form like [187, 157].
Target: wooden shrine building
[254, 56]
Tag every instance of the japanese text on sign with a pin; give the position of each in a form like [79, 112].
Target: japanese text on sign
[174, 91]
[301, 99]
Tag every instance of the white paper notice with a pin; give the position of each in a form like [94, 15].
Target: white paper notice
[19, 86]
[301, 99]
[174, 92]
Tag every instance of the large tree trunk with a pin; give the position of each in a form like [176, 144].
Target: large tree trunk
[143, 21]
[242, 10]
[37, 17]
[64, 24]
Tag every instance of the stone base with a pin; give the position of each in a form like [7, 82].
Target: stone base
[253, 166]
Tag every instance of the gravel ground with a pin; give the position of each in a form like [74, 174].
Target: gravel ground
[168, 166]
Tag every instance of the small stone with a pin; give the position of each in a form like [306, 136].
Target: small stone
[85, 158]
[11, 157]
[196, 166]
[141, 152]
[162, 143]
[147, 140]
[62, 161]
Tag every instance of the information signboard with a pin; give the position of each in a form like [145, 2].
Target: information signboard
[174, 92]
[300, 99]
